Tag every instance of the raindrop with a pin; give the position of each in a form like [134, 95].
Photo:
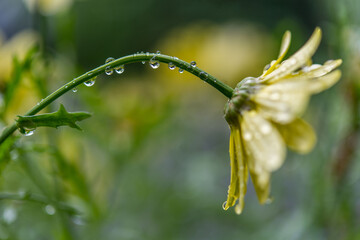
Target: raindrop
[267, 67]
[181, 70]
[312, 67]
[265, 128]
[171, 66]
[14, 155]
[193, 64]
[153, 63]
[224, 205]
[143, 62]
[269, 200]
[78, 220]
[203, 75]
[110, 59]
[291, 61]
[26, 132]
[275, 95]
[49, 209]
[119, 69]
[23, 193]
[66, 86]
[247, 136]
[109, 71]
[158, 52]
[9, 215]
[147, 53]
[74, 89]
[90, 82]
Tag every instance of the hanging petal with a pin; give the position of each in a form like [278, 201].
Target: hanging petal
[298, 135]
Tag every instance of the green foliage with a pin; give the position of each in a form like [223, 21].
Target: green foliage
[153, 161]
[55, 120]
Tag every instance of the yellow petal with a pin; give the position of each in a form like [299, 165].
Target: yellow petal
[262, 143]
[264, 150]
[242, 171]
[261, 181]
[298, 135]
[239, 172]
[285, 44]
[321, 83]
[297, 60]
[321, 70]
[233, 191]
[283, 100]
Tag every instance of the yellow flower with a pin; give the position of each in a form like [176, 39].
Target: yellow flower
[48, 7]
[263, 115]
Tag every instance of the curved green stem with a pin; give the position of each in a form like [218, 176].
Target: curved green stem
[139, 57]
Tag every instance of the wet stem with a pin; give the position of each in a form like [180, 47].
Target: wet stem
[139, 57]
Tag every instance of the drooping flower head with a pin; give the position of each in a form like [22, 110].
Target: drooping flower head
[264, 116]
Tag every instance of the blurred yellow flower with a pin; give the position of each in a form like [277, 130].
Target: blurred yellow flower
[48, 7]
[263, 115]
[230, 50]
[17, 46]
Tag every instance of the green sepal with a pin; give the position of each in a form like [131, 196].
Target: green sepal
[55, 119]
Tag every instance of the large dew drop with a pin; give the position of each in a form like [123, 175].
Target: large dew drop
[74, 90]
[171, 66]
[181, 70]
[224, 205]
[119, 69]
[110, 59]
[153, 63]
[26, 132]
[90, 82]
[109, 70]
[193, 64]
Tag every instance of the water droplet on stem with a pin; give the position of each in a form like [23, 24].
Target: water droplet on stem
[119, 69]
[153, 63]
[27, 132]
[171, 66]
[203, 75]
[49, 209]
[108, 69]
[90, 82]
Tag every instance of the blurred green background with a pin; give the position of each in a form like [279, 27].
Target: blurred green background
[152, 162]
